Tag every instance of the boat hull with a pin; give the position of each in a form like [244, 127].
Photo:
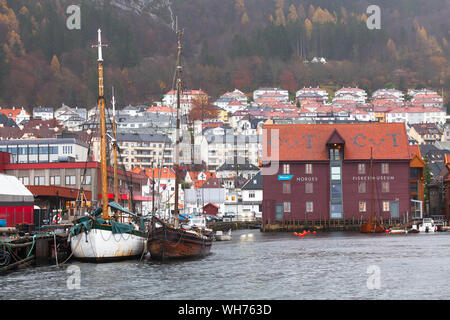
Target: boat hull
[168, 243]
[372, 226]
[98, 245]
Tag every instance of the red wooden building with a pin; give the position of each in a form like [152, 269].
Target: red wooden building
[16, 202]
[335, 171]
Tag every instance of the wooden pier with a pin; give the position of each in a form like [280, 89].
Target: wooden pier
[39, 249]
[234, 225]
[327, 225]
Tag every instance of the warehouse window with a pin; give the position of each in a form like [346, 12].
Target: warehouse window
[287, 207]
[362, 206]
[361, 168]
[286, 169]
[286, 187]
[385, 186]
[308, 168]
[309, 187]
[362, 187]
[385, 206]
[385, 168]
[309, 206]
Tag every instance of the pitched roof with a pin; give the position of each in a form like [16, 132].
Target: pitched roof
[255, 183]
[306, 142]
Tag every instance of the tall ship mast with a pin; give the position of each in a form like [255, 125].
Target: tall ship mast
[177, 240]
[98, 237]
[372, 225]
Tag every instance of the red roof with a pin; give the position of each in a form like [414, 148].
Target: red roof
[307, 142]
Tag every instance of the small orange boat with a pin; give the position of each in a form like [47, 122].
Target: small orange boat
[372, 226]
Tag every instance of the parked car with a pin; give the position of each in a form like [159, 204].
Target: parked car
[212, 218]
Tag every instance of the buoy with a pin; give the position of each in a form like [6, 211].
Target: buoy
[302, 235]
[295, 233]
[314, 232]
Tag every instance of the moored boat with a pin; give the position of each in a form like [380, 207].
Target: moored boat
[221, 236]
[98, 236]
[175, 240]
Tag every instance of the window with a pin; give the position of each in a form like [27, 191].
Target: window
[287, 206]
[309, 187]
[362, 206]
[385, 168]
[87, 180]
[309, 206]
[361, 168]
[286, 187]
[336, 191]
[25, 180]
[335, 173]
[384, 186]
[308, 168]
[251, 194]
[286, 169]
[385, 206]
[70, 180]
[362, 187]
[67, 149]
[55, 180]
[39, 181]
[334, 154]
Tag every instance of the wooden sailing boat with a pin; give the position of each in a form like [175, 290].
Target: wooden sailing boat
[173, 240]
[372, 225]
[102, 238]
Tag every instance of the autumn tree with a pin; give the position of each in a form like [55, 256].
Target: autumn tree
[202, 109]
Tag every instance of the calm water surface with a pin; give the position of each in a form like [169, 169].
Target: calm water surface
[261, 266]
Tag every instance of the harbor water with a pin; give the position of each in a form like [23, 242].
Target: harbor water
[259, 266]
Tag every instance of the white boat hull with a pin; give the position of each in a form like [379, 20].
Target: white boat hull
[102, 245]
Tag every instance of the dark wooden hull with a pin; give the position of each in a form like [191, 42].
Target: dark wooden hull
[169, 243]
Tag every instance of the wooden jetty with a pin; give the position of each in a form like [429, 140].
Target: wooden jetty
[233, 225]
[38, 249]
[328, 225]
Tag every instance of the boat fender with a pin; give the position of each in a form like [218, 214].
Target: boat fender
[57, 219]
[314, 232]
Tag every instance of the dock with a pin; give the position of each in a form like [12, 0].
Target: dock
[45, 247]
[326, 225]
[234, 225]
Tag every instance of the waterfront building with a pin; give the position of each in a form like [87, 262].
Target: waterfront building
[325, 172]
[45, 150]
[57, 185]
[252, 197]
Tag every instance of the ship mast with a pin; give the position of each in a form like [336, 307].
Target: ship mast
[177, 136]
[101, 106]
[116, 182]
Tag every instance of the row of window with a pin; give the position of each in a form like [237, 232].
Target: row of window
[310, 206]
[54, 180]
[361, 168]
[30, 150]
[336, 188]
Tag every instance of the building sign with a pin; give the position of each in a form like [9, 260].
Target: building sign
[285, 177]
[307, 179]
[368, 178]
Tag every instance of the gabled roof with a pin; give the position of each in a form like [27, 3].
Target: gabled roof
[256, 183]
[307, 142]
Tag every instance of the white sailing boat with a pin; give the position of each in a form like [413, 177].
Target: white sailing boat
[98, 236]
